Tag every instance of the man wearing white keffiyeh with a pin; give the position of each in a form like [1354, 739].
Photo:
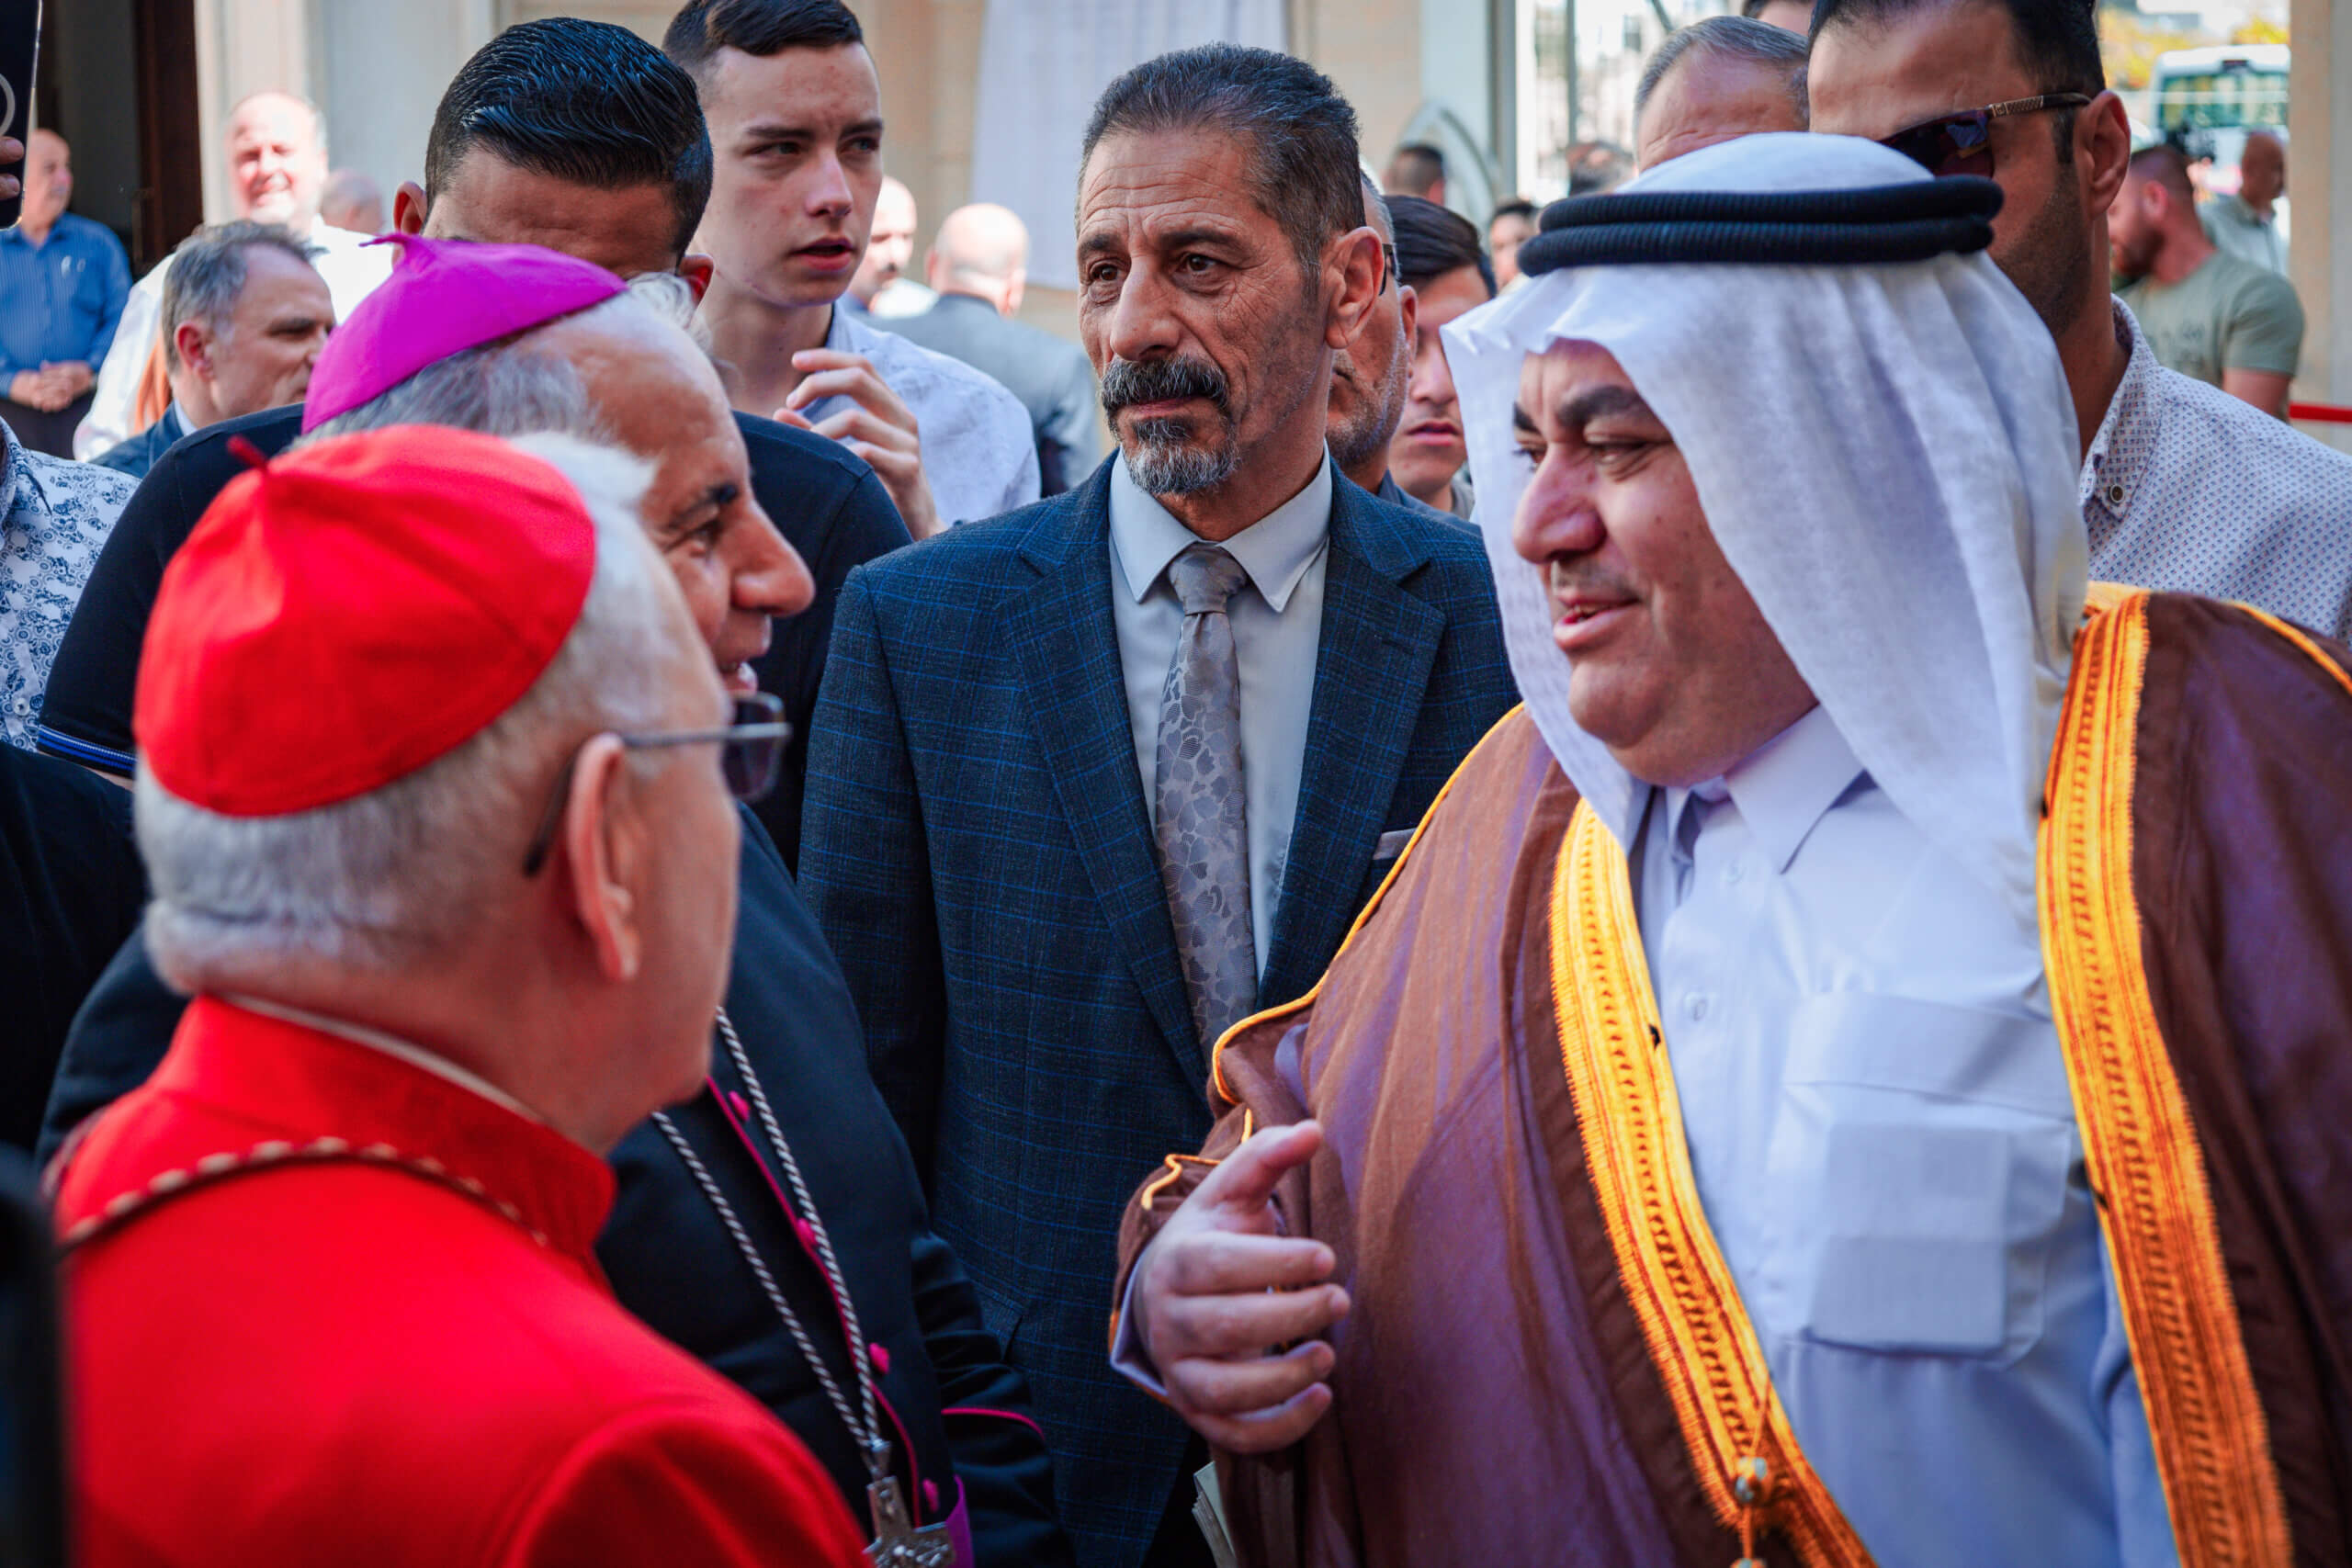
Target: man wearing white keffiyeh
[1752, 1092]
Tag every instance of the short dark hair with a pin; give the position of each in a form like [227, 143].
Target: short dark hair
[582, 101]
[1415, 168]
[208, 274]
[1514, 206]
[2167, 165]
[1301, 133]
[1432, 242]
[2057, 40]
[762, 27]
[1736, 36]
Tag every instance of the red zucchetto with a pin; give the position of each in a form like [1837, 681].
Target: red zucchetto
[345, 614]
[444, 297]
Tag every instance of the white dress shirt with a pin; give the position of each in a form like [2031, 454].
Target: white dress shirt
[350, 265]
[1277, 633]
[980, 452]
[1880, 1124]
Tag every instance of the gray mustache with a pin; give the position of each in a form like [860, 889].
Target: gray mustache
[1127, 381]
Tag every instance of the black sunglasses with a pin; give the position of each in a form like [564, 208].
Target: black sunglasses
[1962, 143]
[750, 750]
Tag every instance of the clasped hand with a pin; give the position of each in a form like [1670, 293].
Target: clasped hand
[1220, 1292]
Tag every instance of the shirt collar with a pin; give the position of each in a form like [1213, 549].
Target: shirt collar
[268, 1085]
[391, 1046]
[1275, 550]
[2112, 467]
[1784, 787]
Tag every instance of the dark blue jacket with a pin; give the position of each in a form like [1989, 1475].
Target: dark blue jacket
[951, 1395]
[975, 844]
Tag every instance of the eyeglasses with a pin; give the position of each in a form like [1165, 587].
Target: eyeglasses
[751, 748]
[1962, 143]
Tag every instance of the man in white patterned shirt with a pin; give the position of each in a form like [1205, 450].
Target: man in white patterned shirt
[795, 131]
[2184, 488]
[54, 516]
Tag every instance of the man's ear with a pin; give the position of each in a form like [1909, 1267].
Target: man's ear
[2103, 142]
[1015, 289]
[1408, 306]
[194, 348]
[697, 270]
[605, 856]
[408, 209]
[1357, 260]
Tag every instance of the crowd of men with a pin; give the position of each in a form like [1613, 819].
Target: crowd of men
[638, 887]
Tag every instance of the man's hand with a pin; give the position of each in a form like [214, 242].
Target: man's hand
[880, 429]
[1218, 1290]
[74, 375]
[12, 156]
[39, 390]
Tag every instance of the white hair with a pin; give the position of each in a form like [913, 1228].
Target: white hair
[393, 877]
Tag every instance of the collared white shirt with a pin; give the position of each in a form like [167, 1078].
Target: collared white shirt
[1880, 1124]
[1277, 635]
[350, 265]
[980, 452]
[2189, 489]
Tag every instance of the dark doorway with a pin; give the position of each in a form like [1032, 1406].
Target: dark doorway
[139, 173]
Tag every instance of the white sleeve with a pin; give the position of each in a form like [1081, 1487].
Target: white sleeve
[108, 422]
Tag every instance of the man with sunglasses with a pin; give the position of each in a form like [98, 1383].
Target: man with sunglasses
[330, 1274]
[836, 1306]
[2183, 487]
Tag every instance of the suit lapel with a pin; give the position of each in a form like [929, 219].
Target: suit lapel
[1062, 636]
[1378, 645]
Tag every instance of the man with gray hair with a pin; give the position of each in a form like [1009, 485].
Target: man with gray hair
[1097, 778]
[366, 1175]
[1715, 79]
[1371, 376]
[908, 1404]
[244, 316]
[276, 145]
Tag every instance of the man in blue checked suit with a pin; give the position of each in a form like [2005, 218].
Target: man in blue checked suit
[1092, 780]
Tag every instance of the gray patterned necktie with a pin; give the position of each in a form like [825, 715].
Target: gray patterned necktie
[1204, 827]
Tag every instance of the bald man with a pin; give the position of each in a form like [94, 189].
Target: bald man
[1713, 80]
[880, 286]
[62, 283]
[979, 264]
[2246, 224]
[276, 148]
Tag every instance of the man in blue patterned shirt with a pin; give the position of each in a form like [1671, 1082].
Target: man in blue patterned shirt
[62, 283]
[2185, 489]
[58, 514]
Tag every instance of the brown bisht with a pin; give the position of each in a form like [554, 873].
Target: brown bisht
[1547, 1360]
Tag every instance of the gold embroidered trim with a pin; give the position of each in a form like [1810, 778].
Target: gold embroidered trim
[1699, 1336]
[2213, 1442]
[1216, 1073]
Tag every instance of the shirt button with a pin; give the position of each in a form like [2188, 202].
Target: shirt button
[2115, 495]
[20, 705]
[1696, 1006]
[1733, 873]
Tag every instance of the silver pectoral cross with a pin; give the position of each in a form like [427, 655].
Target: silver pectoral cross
[897, 1542]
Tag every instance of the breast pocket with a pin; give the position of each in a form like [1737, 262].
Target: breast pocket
[1922, 1157]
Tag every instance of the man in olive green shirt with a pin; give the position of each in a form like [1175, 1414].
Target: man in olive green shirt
[2208, 314]
[2246, 224]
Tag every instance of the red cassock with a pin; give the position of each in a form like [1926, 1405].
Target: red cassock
[327, 1307]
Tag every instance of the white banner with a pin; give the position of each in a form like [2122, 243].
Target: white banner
[1043, 64]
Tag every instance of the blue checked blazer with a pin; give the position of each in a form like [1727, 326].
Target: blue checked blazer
[976, 846]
